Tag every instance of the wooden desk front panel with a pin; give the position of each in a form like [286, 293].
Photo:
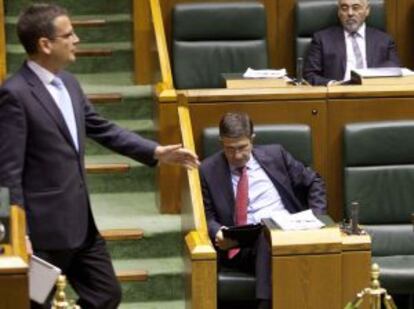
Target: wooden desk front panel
[312, 113]
[346, 111]
[309, 281]
[356, 269]
[14, 291]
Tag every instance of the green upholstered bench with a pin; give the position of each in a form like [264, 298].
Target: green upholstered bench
[379, 174]
[296, 138]
[209, 39]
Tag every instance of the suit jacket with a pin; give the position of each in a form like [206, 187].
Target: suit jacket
[326, 58]
[39, 162]
[299, 187]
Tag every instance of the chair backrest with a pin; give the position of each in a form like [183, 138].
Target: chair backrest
[295, 138]
[379, 174]
[315, 15]
[214, 38]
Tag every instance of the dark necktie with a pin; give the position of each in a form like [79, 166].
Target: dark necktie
[242, 200]
[357, 51]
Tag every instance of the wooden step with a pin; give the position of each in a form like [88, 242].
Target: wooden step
[132, 275]
[108, 168]
[89, 23]
[122, 234]
[93, 52]
[103, 98]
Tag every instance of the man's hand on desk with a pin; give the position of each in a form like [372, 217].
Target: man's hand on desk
[224, 243]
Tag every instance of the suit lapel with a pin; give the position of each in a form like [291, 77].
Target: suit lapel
[370, 47]
[43, 97]
[340, 47]
[279, 180]
[224, 184]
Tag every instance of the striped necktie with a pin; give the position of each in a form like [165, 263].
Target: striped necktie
[242, 201]
[357, 51]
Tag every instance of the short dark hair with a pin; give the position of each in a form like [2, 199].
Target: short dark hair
[35, 22]
[236, 125]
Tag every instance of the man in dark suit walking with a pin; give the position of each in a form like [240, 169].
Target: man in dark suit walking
[244, 184]
[335, 51]
[44, 120]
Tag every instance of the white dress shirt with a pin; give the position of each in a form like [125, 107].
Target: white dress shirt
[264, 199]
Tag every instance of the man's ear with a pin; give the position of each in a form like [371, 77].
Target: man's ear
[44, 45]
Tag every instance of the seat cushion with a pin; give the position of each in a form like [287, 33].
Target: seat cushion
[210, 39]
[396, 273]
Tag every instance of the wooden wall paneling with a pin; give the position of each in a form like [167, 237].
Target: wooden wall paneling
[14, 291]
[143, 42]
[404, 31]
[344, 111]
[285, 36]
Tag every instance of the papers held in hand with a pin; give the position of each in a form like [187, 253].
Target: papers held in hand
[42, 279]
[304, 220]
[245, 235]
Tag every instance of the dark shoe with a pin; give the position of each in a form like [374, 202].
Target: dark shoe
[264, 304]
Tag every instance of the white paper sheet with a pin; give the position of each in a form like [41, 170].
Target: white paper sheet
[42, 279]
[251, 73]
[304, 220]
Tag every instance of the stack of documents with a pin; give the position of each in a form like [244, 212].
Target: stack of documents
[304, 220]
[251, 73]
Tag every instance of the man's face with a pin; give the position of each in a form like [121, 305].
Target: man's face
[237, 150]
[63, 44]
[352, 13]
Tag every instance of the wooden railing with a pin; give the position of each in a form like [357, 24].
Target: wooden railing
[201, 265]
[166, 86]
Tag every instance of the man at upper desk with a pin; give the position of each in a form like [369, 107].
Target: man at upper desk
[335, 51]
[244, 184]
[44, 120]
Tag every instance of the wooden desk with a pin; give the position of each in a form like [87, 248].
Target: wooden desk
[318, 268]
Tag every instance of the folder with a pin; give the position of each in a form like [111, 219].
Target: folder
[245, 235]
[42, 279]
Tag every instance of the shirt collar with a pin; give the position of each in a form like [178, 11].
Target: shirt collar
[44, 75]
[250, 165]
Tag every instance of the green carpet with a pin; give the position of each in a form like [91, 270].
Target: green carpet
[121, 200]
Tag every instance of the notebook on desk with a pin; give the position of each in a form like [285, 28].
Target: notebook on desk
[42, 279]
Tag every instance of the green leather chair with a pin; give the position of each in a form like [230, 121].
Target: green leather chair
[379, 174]
[314, 15]
[209, 39]
[297, 139]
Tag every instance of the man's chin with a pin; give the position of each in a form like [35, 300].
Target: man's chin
[352, 27]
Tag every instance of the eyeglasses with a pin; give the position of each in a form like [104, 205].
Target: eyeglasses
[65, 36]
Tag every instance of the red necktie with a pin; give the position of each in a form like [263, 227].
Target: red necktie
[242, 200]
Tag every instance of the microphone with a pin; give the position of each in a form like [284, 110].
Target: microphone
[299, 71]
[355, 218]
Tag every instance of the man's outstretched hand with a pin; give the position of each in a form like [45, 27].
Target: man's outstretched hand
[176, 154]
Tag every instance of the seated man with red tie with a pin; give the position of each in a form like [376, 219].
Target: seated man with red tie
[244, 184]
[336, 50]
